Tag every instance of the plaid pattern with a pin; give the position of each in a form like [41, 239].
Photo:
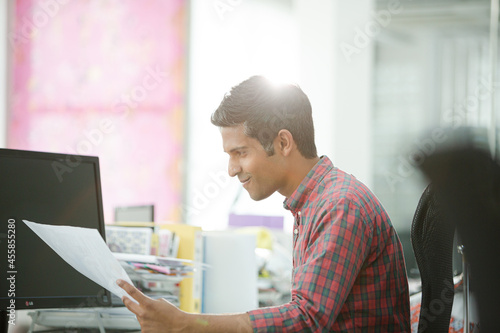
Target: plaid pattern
[348, 267]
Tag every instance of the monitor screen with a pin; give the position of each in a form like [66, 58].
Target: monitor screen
[144, 213]
[48, 188]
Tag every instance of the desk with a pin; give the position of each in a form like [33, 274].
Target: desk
[88, 320]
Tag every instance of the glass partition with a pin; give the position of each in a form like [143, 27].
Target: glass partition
[432, 70]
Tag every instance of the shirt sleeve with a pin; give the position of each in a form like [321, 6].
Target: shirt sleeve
[334, 254]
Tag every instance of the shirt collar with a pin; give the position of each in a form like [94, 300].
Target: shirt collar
[308, 184]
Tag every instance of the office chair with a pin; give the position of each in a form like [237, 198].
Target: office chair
[466, 181]
[432, 242]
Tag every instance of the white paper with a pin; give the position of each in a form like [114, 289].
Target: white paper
[85, 250]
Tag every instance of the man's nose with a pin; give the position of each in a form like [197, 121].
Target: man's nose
[233, 169]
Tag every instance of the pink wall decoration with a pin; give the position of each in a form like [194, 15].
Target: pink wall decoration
[105, 78]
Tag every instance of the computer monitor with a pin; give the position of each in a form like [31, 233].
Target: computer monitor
[55, 189]
[140, 213]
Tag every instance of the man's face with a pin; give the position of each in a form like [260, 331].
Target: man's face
[260, 174]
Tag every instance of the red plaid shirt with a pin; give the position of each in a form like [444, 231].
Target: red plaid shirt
[348, 267]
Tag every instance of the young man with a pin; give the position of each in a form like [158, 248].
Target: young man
[348, 267]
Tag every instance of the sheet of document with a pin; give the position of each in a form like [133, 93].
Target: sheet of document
[85, 250]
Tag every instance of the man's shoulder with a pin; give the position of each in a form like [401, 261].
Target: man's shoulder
[339, 186]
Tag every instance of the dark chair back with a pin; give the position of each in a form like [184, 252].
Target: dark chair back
[466, 181]
[432, 241]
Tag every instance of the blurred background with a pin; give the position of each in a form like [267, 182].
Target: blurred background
[135, 83]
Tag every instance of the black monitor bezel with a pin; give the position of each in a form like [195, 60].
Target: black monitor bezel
[103, 297]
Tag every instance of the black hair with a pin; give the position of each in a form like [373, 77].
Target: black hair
[265, 108]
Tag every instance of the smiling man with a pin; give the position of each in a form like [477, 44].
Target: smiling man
[348, 268]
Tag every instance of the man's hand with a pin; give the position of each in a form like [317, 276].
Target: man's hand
[153, 315]
[162, 316]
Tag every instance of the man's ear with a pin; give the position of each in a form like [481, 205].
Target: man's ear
[285, 142]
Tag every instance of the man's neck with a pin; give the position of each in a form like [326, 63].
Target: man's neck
[299, 169]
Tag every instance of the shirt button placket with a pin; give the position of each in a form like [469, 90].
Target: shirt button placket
[295, 237]
[297, 222]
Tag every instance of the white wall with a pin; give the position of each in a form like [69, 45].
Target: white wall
[228, 44]
[316, 28]
[3, 72]
[340, 87]
[353, 90]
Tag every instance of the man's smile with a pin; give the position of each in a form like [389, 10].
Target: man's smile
[245, 181]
